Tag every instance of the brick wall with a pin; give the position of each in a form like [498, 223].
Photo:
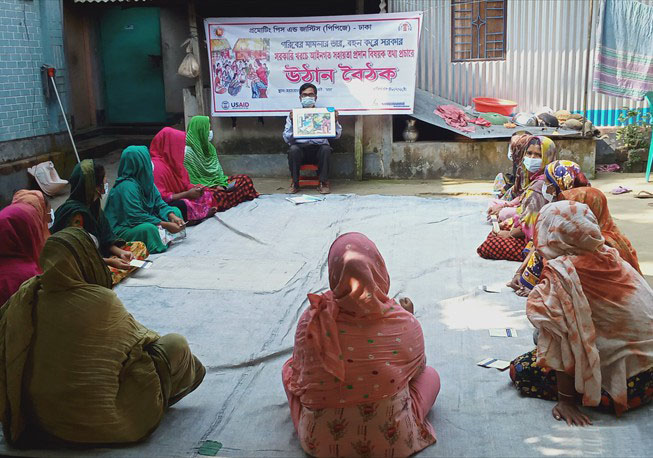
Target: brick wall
[31, 34]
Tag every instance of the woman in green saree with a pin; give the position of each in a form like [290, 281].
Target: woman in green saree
[204, 169]
[88, 183]
[75, 366]
[135, 208]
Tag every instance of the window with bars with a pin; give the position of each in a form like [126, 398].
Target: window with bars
[478, 30]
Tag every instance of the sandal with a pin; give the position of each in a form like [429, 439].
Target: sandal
[620, 190]
[644, 195]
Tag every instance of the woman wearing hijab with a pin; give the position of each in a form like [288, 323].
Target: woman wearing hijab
[42, 206]
[528, 275]
[530, 154]
[21, 241]
[171, 178]
[88, 183]
[75, 365]
[357, 382]
[593, 312]
[511, 187]
[134, 208]
[512, 240]
[204, 169]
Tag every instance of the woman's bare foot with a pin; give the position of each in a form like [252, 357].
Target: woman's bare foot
[566, 411]
[523, 292]
[212, 211]
[407, 304]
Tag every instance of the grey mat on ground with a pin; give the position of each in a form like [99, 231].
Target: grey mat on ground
[241, 325]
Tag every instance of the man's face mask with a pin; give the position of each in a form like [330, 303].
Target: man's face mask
[509, 153]
[106, 188]
[51, 223]
[308, 102]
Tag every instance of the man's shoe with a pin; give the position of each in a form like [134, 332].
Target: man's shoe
[323, 188]
[294, 189]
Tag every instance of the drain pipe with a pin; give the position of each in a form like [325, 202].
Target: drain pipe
[50, 71]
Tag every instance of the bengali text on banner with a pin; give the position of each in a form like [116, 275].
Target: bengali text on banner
[363, 64]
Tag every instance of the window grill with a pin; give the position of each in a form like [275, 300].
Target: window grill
[478, 30]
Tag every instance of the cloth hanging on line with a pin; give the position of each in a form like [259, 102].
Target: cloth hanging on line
[624, 54]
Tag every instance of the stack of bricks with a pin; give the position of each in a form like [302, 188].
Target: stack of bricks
[31, 34]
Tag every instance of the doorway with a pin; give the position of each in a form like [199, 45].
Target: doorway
[130, 41]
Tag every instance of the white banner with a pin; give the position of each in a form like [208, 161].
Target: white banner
[363, 64]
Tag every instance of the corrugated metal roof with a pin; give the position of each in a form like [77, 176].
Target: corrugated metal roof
[426, 103]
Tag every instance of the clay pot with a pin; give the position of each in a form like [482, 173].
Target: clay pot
[410, 133]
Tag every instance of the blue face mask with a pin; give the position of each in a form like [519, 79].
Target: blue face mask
[308, 102]
[533, 164]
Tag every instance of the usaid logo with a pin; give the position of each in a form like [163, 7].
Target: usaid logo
[234, 105]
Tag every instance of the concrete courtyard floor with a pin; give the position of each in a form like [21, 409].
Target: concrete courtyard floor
[633, 216]
[237, 285]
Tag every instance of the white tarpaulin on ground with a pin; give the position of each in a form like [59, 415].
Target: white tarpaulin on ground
[243, 335]
[363, 64]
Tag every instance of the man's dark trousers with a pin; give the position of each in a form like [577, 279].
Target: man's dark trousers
[301, 154]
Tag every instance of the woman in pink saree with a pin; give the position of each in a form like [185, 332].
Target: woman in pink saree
[21, 241]
[171, 177]
[357, 383]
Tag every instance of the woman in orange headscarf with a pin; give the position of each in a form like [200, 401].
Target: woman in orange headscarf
[37, 200]
[529, 272]
[593, 312]
[357, 381]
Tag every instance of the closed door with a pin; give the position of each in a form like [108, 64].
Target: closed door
[133, 70]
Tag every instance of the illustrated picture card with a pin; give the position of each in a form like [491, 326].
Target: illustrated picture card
[314, 123]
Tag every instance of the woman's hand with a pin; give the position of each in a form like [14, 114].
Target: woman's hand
[194, 193]
[117, 263]
[126, 255]
[514, 283]
[494, 210]
[569, 412]
[504, 234]
[177, 221]
[170, 227]
[407, 304]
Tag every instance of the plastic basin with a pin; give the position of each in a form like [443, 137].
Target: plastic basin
[492, 105]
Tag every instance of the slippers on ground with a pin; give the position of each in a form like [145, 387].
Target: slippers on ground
[644, 195]
[620, 190]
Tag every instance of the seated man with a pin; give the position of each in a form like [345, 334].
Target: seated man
[310, 150]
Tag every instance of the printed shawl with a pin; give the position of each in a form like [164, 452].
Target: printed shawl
[354, 344]
[597, 202]
[593, 310]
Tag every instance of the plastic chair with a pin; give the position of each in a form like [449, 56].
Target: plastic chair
[649, 97]
[308, 180]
